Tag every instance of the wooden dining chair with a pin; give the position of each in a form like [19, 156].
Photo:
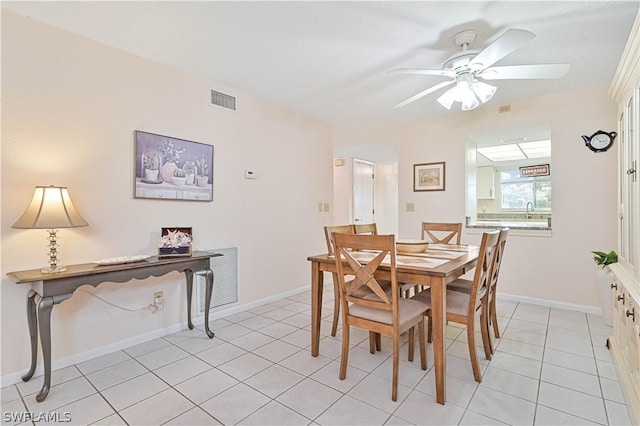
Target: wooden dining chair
[442, 233]
[366, 228]
[438, 233]
[464, 286]
[328, 231]
[375, 309]
[462, 307]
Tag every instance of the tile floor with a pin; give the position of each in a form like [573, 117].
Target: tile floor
[551, 367]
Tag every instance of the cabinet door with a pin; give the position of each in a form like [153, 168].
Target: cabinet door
[486, 182]
[632, 376]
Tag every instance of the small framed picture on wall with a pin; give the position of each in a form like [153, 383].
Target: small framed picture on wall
[429, 177]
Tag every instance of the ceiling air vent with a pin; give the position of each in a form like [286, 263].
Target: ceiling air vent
[223, 100]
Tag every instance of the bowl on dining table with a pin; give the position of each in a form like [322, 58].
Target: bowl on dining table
[411, 246]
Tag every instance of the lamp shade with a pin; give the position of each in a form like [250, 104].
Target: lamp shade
[50, 208]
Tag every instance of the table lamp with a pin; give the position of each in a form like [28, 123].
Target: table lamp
[51, 208]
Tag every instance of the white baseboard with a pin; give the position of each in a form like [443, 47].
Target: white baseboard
[551, 303]
[16, 377]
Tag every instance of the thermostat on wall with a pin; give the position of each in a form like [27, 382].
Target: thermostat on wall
[250, 174]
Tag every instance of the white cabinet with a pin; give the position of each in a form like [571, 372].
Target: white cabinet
[625, 343]
[486, 183]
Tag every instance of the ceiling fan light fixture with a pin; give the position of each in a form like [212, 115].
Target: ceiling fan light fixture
[484, 91]
[448, 98]
[470, 102]
[465, 95]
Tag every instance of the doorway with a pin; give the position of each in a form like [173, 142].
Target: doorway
[363, 192]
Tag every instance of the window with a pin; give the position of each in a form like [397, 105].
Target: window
[517, 191]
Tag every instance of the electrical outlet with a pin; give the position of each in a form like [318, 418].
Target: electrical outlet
[158, 300]
[326, 207]
[320, 207]
[504, 108]
[410, 207]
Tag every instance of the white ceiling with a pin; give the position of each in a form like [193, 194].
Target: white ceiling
[329, 59]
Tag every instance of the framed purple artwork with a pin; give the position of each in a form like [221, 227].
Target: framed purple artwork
[169, 168]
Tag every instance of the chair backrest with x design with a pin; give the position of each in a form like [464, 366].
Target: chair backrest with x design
[364, 290]
[366, 228]
[442, 233]
[483, 271]
[342, 229]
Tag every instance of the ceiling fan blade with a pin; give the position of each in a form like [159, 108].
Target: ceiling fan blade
[444, 73]
[523, 72]
[508, 42]
[424, 93]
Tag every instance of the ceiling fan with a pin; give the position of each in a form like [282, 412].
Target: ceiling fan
[468, 67]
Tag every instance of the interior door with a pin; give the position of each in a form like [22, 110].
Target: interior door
[363, 189]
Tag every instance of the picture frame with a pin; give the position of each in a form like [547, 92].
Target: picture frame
[175, 242]
[429, 177]
[169, 168]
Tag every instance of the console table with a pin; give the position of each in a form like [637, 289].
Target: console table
[58, 287]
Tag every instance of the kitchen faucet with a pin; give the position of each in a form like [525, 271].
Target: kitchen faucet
[529, 204]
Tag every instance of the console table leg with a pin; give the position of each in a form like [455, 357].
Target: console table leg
[208, 292]
[189, 275]
[32, 319]
[44, 312]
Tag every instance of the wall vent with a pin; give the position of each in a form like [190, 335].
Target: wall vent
[225, 280]
[223, 100]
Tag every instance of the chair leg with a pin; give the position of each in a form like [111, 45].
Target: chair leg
[473, 354]
[494, 316]
[429, 329]
[412, 348]
[372, 342]
[378, 342]
[486, 336]
[345, 351]
[423, 345]
[396, 350]
[336, 305]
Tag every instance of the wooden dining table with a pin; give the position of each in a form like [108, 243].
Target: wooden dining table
[438, 266]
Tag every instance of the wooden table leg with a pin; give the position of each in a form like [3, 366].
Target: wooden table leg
[44, 322]
[188, 273]
[316, 306]
[32, 319]
[438, 318]
[208, 292]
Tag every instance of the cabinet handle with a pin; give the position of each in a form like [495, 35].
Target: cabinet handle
[621, 297]
[632, 171]
[614, 285]
[631, 314]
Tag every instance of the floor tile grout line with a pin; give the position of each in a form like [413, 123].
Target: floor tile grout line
[368, 373]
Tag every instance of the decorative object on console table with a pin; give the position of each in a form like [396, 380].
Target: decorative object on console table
[429, 177]
[175, 242]
[604, 280]
[172, 169]
[51, 208]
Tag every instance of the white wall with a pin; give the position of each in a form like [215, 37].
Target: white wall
[70, 108]
[559, 267]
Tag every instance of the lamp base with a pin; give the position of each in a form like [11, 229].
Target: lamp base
[50, 270]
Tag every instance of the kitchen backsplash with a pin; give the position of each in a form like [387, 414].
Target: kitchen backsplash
[535, 216]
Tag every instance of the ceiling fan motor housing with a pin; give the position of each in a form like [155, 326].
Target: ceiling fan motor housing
[461, 59]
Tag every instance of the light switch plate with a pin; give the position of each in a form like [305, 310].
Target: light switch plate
[250, 174]
[411, 207]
